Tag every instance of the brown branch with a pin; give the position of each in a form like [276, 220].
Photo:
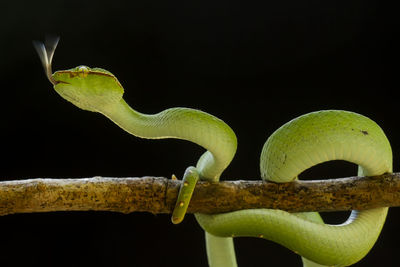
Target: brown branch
[157, 195]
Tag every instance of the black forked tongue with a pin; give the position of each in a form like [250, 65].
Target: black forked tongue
[46, 52]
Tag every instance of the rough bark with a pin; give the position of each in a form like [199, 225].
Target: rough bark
[158, 195]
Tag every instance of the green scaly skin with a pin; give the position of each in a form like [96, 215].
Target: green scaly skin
[301, 143]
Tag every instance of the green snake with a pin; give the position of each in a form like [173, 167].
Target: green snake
[296, 146]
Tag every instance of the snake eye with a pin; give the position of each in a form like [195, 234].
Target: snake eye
[83, 71]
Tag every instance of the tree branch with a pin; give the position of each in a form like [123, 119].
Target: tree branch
[158, 195]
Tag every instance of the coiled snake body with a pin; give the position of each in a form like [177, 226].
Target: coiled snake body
[299, 144]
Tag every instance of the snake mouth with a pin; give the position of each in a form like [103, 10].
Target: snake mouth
[55, 82]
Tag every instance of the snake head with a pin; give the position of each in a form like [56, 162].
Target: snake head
[92, 89]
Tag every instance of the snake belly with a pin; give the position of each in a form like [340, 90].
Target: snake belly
[296, 146]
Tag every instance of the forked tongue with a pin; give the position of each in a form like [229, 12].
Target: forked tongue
[46, 52]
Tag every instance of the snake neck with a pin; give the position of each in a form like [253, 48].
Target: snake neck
[181, 123]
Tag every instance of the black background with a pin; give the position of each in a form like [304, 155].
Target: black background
[255, 65]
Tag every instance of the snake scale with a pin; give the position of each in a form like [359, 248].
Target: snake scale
[301, 143]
